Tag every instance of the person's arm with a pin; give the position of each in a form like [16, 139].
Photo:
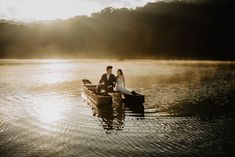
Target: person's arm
[124, 84]
[114, 81]
[101, 79]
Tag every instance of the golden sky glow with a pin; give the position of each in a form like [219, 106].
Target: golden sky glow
[59, 9]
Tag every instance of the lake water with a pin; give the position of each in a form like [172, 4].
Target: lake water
[189, 109]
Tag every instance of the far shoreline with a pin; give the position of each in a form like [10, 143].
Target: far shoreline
[62, 60]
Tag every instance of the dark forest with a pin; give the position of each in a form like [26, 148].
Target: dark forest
[160, 30]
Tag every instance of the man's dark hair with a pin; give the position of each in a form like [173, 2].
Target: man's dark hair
[109, 67]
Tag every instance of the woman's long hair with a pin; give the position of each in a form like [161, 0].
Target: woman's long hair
[120, 70]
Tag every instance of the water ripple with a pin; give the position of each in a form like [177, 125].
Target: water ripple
[41, 115]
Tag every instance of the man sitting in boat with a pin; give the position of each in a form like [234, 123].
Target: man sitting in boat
[107, 81]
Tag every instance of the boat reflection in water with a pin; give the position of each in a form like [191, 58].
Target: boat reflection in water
[137, 109]
[112, 116]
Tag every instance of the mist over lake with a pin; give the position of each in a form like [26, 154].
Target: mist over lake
[168, 29]
[188, 109]
[117, 78]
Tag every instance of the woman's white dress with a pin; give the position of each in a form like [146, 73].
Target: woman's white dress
[120, 87]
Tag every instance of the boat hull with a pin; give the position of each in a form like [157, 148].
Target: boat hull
[98, 100]
[102, 100]
[134, 99]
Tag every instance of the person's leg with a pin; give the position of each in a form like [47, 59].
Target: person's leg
[110, 90]
[125, 91]
[98, 89]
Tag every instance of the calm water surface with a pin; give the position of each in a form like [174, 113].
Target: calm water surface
[189, 109]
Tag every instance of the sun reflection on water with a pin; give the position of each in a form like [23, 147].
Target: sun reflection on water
[50, 111]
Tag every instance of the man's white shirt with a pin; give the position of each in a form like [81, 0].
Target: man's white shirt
[107, 75]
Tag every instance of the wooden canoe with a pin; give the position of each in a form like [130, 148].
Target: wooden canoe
[102, 100]
[89, 90]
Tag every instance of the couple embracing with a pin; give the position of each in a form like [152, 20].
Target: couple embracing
[108, 82]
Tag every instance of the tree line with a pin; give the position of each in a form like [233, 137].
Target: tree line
[160, 30]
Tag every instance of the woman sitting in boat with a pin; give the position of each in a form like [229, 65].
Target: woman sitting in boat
[120, 84]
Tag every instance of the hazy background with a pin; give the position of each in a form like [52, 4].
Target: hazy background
[197, 29]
